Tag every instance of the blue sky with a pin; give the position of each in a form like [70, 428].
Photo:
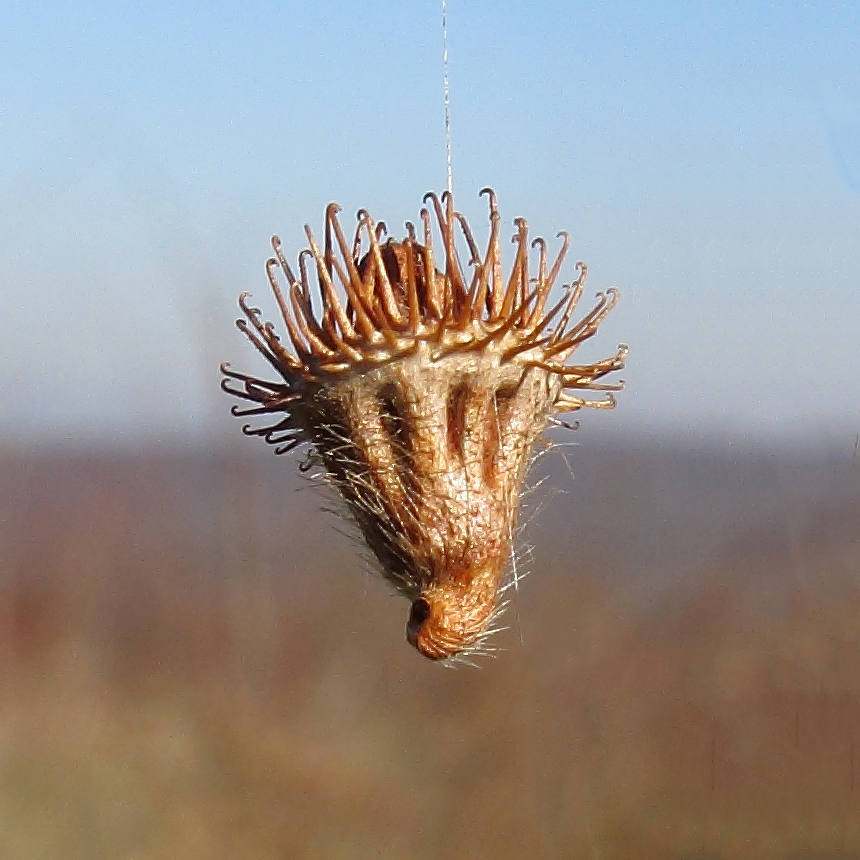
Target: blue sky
[705, 160]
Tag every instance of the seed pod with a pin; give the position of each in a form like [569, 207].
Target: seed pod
[421, 390]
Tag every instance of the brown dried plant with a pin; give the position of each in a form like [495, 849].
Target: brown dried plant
[421, 391]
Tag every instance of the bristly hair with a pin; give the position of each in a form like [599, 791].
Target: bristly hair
[422, 389]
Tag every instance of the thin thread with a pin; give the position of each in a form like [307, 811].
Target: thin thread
[447, 94]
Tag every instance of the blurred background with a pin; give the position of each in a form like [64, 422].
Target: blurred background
[198, 663]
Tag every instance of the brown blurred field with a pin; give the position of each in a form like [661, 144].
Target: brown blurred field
[196, 664]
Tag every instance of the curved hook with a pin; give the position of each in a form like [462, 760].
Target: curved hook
[305, 285]
[253, 314]
[282, 260]
[493, 199]
[227, 390]
[437, 206]
[522, 230]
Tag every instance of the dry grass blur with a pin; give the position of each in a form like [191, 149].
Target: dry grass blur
[195, 665]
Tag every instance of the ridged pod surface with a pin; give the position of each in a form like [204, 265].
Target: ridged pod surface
[421, 389]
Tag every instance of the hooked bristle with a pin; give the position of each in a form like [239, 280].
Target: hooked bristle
[422, 392]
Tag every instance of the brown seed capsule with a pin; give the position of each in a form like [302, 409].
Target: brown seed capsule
[422, 390]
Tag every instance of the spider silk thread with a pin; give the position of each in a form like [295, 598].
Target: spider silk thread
[447, 96]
